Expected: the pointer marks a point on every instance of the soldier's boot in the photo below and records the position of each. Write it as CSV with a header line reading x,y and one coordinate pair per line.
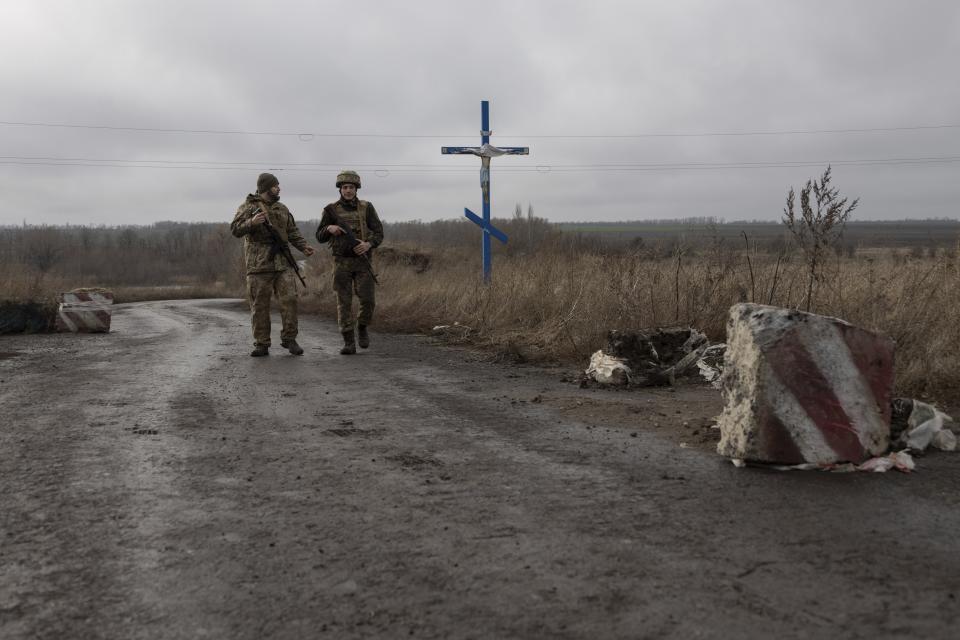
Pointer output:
x,y
260,350
292,347
348,348
363,338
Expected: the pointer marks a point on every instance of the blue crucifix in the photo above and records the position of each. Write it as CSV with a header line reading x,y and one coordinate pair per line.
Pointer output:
x,y
485,151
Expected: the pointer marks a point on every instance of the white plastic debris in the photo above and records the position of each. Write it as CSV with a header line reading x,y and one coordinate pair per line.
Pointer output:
x,y
899,460
803,466
608,369
945,440
927,426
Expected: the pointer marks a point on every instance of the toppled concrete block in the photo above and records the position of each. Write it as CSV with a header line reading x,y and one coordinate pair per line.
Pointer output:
x,y
85,311
803,388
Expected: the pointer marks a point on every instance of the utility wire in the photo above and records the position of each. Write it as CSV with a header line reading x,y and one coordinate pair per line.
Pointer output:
x,y
308,136
448,166
384,169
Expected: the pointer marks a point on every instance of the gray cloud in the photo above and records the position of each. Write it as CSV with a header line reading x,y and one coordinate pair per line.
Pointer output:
x,y
549,68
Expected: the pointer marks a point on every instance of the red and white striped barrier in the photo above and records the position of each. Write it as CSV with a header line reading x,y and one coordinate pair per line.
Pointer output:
x,y
802,388
85,311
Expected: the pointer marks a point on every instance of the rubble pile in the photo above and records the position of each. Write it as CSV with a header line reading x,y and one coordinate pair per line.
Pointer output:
x,y
652,357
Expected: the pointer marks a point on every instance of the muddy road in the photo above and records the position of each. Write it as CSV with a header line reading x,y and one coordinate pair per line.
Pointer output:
x,y
157,482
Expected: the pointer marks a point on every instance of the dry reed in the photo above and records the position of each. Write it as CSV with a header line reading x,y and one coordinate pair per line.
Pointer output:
x,y
553,306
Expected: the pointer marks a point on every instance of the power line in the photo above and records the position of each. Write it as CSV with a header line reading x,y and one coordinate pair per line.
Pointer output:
x,y
340,164
384,169
308,136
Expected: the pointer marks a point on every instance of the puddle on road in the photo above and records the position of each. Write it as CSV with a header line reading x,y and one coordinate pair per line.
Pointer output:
x,y
6,355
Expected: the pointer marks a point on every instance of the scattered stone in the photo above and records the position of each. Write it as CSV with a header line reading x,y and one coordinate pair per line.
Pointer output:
x,y
803,388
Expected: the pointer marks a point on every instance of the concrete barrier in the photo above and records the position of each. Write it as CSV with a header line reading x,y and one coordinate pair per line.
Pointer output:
x,y
800,387
85,311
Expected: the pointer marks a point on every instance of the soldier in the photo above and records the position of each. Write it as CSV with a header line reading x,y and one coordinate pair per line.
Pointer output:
x,y
268,271
353,229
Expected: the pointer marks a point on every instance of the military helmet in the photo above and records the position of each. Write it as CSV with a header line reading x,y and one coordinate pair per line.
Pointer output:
x,y
348,177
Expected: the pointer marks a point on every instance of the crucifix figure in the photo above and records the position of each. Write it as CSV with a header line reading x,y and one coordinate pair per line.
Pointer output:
x,y
485,151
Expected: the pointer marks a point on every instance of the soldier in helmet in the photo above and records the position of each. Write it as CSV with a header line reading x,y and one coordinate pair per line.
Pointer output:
x,y
267,270
353,229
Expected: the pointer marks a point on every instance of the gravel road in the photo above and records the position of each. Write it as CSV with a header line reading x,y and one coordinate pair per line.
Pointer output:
x,y
157,482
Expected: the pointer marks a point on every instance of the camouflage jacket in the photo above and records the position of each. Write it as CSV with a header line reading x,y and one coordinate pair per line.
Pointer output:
x,y
256,239
362,219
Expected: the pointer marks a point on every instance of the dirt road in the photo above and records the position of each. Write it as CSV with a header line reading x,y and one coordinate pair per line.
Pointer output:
x,y
157,482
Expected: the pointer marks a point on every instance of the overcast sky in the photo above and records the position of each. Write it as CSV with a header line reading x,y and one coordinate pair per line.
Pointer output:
x,y
380,86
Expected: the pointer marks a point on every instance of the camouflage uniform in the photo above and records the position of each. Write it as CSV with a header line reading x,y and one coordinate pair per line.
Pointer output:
x,y
266,274
351,272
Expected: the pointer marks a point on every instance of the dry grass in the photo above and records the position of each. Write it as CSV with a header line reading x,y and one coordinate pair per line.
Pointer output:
x,y
24,288
559,307
558,304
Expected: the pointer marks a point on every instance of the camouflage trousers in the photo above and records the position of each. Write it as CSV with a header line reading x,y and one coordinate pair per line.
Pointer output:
x,y
351,275
260,289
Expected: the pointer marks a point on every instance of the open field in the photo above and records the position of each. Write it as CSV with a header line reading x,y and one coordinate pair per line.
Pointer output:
x,y
550,306
554,295
903,234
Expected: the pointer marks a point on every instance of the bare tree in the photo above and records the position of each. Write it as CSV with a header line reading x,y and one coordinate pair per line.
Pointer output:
x,y
817,227
43,250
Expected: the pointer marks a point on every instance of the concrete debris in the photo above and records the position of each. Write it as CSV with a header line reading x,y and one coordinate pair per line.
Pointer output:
x,y
608,370
802,388
651,357
85,311
710,364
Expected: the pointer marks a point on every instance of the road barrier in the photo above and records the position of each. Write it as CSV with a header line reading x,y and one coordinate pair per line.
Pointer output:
x,y
85,311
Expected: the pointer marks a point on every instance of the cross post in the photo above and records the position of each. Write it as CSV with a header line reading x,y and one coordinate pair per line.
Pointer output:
x,y
485,151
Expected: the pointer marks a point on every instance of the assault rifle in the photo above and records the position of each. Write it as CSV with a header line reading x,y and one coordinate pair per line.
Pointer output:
x,y
354,241
279,245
